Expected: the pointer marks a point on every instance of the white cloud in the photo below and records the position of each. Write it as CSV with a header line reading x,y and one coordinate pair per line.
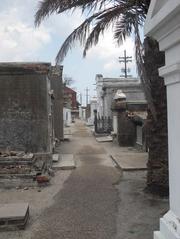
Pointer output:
x,y
109,66
108,51
20,40
108,48
63,24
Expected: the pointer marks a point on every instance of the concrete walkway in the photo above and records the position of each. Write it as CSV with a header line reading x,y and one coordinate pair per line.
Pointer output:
x,y
128,161
86,207
93,201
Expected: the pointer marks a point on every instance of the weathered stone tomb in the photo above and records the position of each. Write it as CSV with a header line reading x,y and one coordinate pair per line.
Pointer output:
x,y
25,109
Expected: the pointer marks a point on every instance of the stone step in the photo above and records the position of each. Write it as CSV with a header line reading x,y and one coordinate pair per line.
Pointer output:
x,y
13,216
158,235
27,159
24,157
67,137
31,175
15,162
17,182
55,158
131,161
104,139
67,131
66,162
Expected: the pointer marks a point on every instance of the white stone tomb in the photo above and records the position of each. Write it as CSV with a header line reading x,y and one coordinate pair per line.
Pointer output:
x,y
163,24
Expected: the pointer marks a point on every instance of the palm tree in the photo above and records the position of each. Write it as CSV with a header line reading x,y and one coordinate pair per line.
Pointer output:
x,y
125,17
157,176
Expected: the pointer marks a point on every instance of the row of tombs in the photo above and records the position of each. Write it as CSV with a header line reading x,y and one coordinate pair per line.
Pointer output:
x,y
31,120
120,110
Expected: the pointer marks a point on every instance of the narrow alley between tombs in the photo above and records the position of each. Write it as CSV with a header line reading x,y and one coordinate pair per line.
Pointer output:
x,y
94,201
87,205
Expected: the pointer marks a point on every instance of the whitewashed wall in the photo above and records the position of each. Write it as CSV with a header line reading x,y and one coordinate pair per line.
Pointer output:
x,y
67,116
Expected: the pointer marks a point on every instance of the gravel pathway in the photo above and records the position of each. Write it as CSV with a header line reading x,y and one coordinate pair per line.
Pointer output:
x,y
87,205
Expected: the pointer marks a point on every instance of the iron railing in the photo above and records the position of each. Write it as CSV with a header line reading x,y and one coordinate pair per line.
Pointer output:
x,y
103,124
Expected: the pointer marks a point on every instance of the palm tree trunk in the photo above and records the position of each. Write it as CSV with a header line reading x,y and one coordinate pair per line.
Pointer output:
x,y
157,136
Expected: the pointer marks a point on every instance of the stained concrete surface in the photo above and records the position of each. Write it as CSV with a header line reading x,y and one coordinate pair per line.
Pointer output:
x,y
131,160
38,199
87,206
13,210
138,212
13,216
66,162
93,201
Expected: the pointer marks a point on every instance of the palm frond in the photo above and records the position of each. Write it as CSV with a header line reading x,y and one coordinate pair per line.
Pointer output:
x,y
104,20
79,34
47,7
126,24
122,14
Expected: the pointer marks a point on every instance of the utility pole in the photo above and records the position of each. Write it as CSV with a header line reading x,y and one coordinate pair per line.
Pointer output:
x,y
125,59
87,96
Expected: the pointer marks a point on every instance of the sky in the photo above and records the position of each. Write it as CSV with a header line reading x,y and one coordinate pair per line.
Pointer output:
x,y
21,41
